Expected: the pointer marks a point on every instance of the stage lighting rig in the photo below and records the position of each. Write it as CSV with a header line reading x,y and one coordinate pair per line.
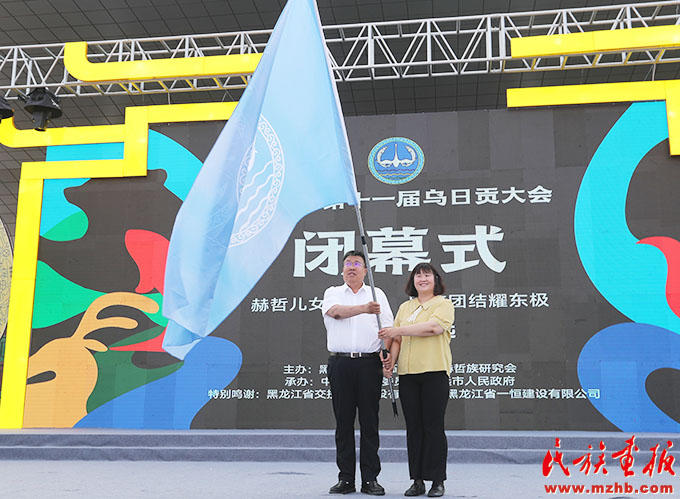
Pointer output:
x,y
6,110
43,106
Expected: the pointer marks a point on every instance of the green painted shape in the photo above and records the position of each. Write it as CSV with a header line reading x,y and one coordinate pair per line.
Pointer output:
x,y
118,375
57,298
139,337
71,228
158,316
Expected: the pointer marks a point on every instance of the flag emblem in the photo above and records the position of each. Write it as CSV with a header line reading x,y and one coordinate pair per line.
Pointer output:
x,y
259,184
396,160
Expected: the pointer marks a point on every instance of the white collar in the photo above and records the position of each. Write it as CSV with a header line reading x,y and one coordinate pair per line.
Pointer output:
x,y
347,288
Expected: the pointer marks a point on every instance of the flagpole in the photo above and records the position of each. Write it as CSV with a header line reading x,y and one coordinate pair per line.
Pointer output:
x,y
377,316
356,206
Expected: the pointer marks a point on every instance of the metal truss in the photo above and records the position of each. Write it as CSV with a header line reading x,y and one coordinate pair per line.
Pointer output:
x,y
420,48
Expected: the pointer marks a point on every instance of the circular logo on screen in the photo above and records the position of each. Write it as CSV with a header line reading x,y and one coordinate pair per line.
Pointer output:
x,y
259,183
396,160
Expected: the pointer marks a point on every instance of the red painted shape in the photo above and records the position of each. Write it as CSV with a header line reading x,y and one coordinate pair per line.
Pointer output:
x,y
671,250
149,250
152,345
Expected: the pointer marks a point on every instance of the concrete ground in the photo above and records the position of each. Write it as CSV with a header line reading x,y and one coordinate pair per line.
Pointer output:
x,y
205,480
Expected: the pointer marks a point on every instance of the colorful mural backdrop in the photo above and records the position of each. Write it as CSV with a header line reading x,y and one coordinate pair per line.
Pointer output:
x,y
5,280
5,275
555,230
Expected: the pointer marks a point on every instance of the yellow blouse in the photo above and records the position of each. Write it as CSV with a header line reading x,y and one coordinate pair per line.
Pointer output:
x,y
421,354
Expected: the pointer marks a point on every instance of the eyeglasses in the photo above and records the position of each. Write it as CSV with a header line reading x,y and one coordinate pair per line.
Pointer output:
x,y
356,265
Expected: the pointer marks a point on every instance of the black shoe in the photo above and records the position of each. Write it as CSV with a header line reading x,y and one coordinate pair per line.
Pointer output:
x,y
437,489
417,489
342,487
372,488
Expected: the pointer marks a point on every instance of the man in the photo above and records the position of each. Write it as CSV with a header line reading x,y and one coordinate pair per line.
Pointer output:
x,y
355,371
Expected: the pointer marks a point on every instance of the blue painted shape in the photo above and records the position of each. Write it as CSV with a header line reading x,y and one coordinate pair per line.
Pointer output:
x,y
79,152
55,207
173,401
164,154
618,360
632,277
180,164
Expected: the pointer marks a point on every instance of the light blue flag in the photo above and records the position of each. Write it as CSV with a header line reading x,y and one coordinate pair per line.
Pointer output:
x,y
283,154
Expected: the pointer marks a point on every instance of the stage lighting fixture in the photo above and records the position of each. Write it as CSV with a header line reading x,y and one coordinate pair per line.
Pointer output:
x,y
6,110
43,106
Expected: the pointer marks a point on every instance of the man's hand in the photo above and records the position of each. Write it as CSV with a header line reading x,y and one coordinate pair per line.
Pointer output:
x,y
372,307
387,363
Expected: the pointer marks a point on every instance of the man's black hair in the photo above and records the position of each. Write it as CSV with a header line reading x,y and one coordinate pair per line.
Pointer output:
x,y
358,253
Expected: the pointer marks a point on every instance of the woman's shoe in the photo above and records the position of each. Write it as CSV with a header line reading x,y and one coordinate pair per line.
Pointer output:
x,y
416,489
437,489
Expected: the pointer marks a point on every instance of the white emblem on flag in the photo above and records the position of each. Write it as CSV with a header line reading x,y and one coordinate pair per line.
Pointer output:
x,y
259,184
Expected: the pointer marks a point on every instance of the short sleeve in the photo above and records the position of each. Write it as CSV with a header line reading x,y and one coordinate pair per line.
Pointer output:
x,y
443,314
330,297
386,316
399,319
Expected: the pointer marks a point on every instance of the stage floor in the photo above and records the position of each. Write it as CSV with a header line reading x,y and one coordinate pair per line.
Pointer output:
x,y
32,479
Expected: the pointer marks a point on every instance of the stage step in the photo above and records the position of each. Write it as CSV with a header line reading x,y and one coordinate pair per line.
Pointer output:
x,y
306,445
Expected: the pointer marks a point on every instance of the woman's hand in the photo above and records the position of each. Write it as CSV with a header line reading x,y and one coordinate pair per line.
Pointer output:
x,y
388,333
387,372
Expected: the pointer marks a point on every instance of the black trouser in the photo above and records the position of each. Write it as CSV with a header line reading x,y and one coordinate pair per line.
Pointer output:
x,y
355,384
423,400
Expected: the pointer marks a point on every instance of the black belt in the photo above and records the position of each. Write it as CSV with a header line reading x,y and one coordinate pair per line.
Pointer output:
x,y
354,355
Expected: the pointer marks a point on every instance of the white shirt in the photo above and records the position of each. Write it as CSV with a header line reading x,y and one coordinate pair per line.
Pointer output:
x,y
358,333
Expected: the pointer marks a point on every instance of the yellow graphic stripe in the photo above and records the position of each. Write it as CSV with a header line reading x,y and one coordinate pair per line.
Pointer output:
x,y
135,136
18,338
13,137
101,168
668,90
136,141
673,116
656,37
75,60
587,94
179,113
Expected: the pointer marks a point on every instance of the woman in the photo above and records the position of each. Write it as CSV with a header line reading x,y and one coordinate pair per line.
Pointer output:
x,y
421,341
